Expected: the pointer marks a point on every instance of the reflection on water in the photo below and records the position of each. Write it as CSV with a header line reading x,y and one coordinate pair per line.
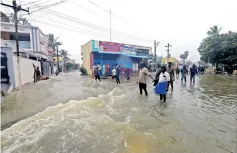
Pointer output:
x,y
195,119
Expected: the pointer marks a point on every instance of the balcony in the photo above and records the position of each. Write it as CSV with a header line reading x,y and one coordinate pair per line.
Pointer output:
x,y
12,43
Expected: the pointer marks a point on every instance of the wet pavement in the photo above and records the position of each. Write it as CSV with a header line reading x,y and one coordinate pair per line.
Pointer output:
x,y
116,119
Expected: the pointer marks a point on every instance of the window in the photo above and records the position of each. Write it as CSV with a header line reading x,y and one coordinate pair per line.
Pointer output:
x,y
21,37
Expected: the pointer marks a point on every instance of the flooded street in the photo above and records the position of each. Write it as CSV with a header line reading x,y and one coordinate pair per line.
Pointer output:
x,y
72,114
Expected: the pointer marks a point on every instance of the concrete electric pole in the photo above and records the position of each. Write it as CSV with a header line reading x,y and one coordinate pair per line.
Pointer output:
x,y
16,9
168,52
155,45
57,59
110,25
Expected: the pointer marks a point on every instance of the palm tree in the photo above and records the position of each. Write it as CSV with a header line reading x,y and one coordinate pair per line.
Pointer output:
x,y
52,42
214,30
65,55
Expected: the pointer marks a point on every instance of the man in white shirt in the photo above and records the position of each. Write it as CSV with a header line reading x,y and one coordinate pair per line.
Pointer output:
x,y
99,67
113,73
142,79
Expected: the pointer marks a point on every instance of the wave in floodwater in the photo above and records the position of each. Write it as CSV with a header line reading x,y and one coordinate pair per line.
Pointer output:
x,y
124,122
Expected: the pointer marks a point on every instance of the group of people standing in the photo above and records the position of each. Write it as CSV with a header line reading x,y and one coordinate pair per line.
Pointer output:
x,y
115,73
184,73
164,74
161,76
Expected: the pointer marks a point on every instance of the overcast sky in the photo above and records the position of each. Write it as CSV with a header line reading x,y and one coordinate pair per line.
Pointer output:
x,y
183,23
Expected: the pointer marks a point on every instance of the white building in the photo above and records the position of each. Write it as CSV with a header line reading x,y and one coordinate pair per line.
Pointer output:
x,y
32,41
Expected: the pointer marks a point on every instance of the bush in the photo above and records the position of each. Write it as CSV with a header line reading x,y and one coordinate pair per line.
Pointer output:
x,y
83,71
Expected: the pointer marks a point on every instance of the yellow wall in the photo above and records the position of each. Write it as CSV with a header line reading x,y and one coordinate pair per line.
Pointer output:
x,y
172,59
86,50
60,58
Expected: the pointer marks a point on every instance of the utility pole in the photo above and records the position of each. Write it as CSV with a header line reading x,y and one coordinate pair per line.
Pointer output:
x,y
110,25
155,45
168,52
16,9
57,58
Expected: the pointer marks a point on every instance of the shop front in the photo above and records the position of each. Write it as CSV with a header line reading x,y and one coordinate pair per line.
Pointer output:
x,y
108,54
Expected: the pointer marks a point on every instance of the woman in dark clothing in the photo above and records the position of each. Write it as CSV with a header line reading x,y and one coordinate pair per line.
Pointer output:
x,y
157,77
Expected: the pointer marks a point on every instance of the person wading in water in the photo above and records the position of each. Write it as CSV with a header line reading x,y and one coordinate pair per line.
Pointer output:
x,y
117,73
97,74
142,78
193,72
114,73
184,73
127,71
177,72
38,74
170,70
164,77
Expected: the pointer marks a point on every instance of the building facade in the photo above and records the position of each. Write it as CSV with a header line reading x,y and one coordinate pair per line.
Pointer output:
x,y
33,44
108,54
173,60
32,41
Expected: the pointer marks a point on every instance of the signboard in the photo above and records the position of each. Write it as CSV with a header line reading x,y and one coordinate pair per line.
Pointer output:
x,y
129,49
110,46
103,46
142,50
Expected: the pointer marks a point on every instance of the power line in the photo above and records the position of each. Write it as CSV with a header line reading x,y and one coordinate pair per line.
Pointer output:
x,y
70,29
99,6
32,3
73,19
47,6
84,23
63,27
87,9
55,21
108,11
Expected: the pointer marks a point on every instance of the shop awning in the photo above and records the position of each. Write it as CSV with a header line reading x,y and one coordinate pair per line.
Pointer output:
x,y
136,56
119,53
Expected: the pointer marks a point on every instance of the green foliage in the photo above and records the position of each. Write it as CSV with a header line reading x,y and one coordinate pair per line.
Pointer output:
x,y
214,30
219,48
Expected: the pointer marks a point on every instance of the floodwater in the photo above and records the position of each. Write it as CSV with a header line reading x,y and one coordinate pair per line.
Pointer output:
x,y
195,119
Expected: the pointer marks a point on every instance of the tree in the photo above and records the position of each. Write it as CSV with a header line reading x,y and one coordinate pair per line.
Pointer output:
x,y
184,56
4,17
220,49
20,20
52,42
65,55
214,30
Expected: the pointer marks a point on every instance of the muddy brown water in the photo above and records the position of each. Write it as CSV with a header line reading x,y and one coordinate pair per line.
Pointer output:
x,y
197,118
